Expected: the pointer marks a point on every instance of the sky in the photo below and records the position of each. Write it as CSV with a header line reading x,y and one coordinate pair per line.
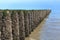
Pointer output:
x,y
54,5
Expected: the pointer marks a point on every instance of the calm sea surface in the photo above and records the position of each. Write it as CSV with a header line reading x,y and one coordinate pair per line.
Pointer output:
x,y
49,29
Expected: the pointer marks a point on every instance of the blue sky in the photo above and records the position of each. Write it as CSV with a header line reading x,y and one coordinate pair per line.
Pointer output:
x,y
54,5
29,4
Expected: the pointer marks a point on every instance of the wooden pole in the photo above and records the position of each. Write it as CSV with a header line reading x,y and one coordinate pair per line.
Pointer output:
x,y
6,28
21,26
15,25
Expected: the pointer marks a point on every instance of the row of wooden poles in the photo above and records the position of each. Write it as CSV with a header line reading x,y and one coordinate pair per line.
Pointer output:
x,y
18,24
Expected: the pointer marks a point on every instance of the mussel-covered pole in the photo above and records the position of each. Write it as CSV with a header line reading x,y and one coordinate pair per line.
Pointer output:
x,y
1,14
21,25
32,27
15,25
6,28
29,16
26,21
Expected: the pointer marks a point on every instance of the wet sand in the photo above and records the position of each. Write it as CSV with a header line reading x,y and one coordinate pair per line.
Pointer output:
x,y
48,29
36,34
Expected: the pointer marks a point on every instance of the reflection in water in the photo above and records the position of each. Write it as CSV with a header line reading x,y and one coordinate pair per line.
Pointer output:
x,y
49,29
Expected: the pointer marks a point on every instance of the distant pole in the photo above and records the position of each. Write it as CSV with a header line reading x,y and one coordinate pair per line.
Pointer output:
x,y
29,16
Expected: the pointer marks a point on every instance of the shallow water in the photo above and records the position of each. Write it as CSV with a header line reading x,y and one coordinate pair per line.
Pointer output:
x,y
49,29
